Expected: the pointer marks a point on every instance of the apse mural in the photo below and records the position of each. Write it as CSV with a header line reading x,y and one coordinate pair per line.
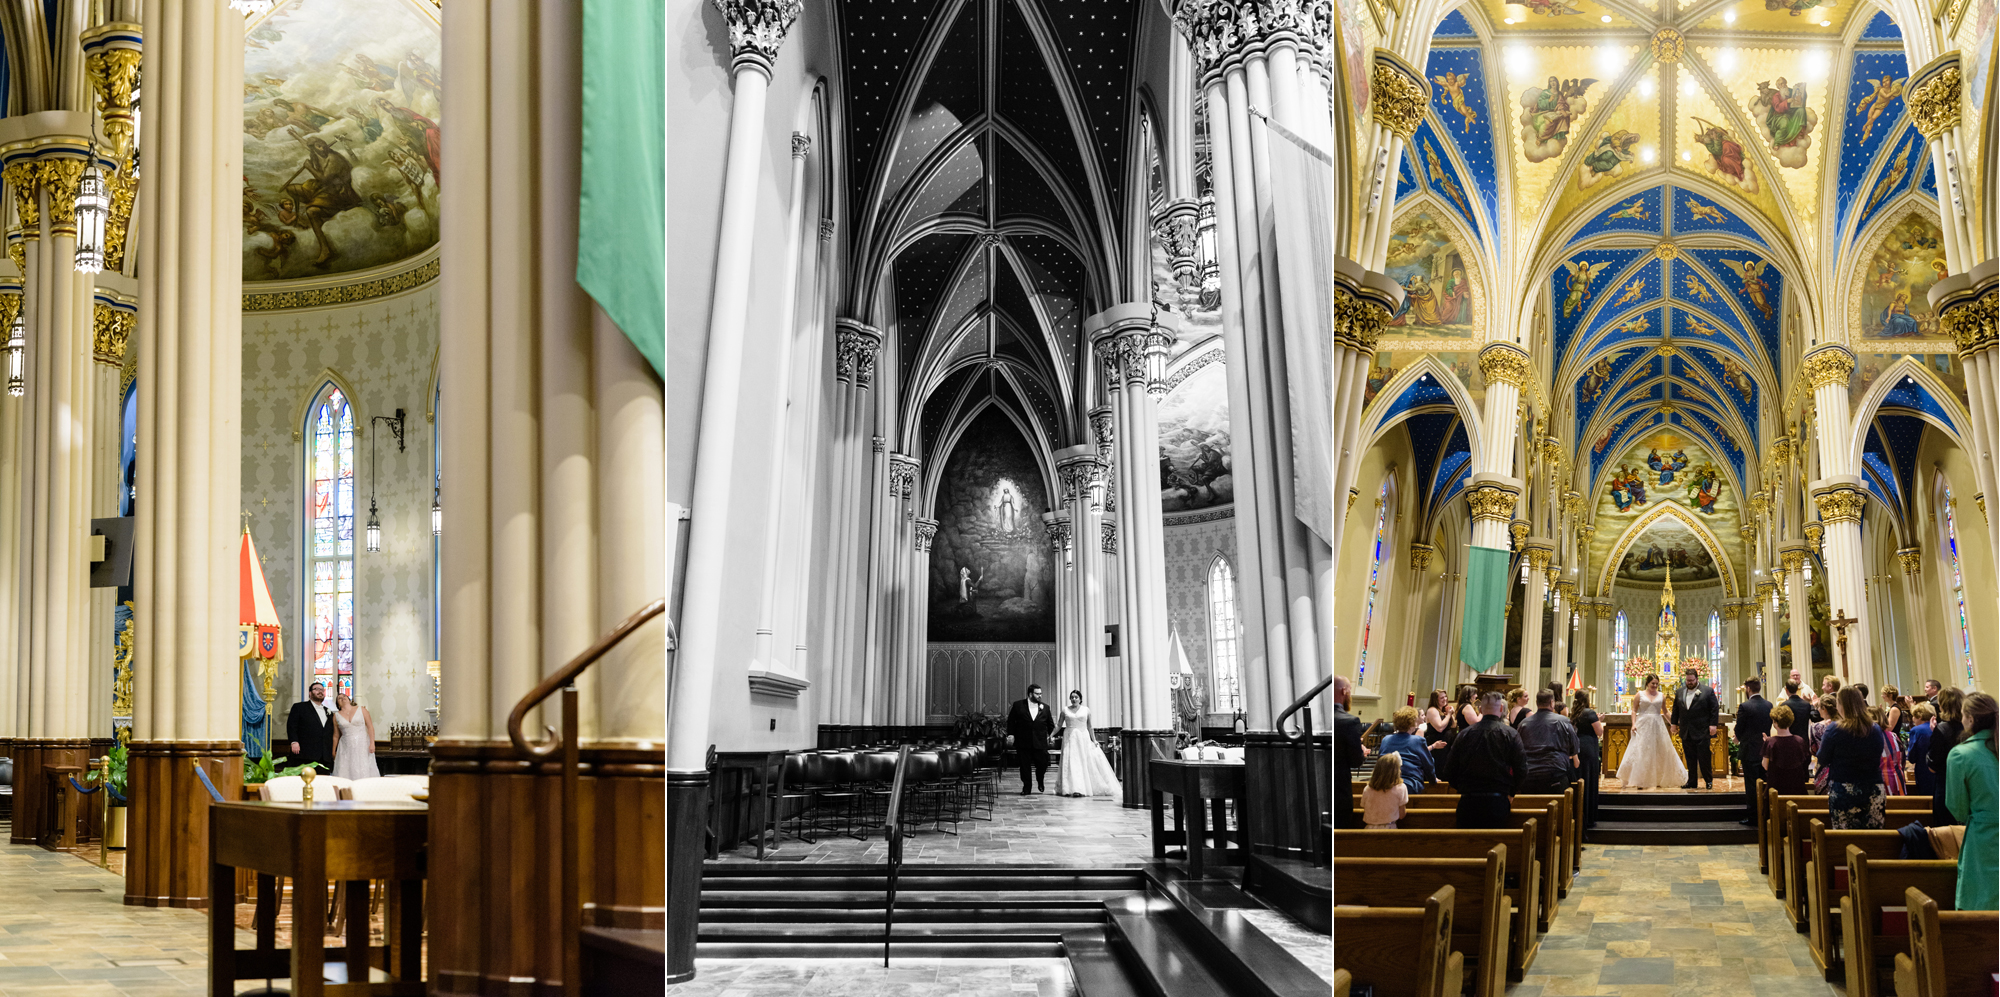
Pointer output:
x,y
1892,286
991,578
340,137
1668,546
1441,299
1664,463
1194,442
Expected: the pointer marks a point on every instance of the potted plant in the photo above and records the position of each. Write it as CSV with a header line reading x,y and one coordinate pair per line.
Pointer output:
x,y
258,771
114,826
979,727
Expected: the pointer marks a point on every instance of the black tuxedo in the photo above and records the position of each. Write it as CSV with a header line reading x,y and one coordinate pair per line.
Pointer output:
x,y
1753,725
314,736
1695,711
1802,714
1031,724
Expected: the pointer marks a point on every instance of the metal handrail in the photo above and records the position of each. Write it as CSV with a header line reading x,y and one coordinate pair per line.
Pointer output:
x,y
892,832
1308,789
564,679
1301,704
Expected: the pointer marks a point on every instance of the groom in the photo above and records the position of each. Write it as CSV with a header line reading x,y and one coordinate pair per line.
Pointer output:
x,y
1029,725
311,730
1695,714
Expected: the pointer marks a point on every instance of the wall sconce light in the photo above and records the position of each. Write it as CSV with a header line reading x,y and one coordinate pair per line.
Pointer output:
x,y
17,347
93,210
374,532
437,513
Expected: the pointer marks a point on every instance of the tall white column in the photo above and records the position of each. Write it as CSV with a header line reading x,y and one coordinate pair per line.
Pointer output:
x,y
855,492
1840,499
1494,488
1565,606
1537,551
1918,623
1083,472
756,32
1131,344
13,676
1968,307
1791,580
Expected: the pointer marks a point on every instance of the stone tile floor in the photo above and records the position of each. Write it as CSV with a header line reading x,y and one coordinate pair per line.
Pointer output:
x,y
1039,827
904,978
1723,784
1672,921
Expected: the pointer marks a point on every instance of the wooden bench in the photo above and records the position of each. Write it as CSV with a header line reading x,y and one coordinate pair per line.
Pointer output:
x,y
1571,830
1480,914
1547,842
1343,983
1382,945
1523,871
1873,921
1796,850
1771,828
1972,937
1826,885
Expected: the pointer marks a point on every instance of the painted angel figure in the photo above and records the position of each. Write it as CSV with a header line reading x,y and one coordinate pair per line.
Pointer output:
x,y
1632,291
1550,8
1887,89
1581,274
1750,274
1704,212
1454,84
1696,290
1614,149
1595,380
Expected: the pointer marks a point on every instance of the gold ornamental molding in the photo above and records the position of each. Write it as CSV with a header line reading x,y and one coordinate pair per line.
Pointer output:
x,y
110,331
111,57
1492,501
1506,363
1828,364
1667,251
1420,555
1668,45
1399,94
1971,323
1933,95
1814,532
1841,504
423,272
1912,559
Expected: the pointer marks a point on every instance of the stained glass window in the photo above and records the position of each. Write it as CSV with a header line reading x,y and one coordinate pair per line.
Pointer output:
x,y
1714,644
1619,649
1374,578
1222,636
330,473
1957,583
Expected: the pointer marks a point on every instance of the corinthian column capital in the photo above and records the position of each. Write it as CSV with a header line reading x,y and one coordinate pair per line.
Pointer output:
x,y
756,30
925,532
1827,364
1506,363
855,346
1222,31
1933,94
903,470
111,57
1967,305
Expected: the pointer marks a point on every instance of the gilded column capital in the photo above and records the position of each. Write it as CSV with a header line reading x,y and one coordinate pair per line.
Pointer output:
x,y
1971,323
24,178
1584,531
1420,555
1220,32
1363,300
1794,558
1506,363
1177,225
1492,501
855,346
1781,449
1082,474
1607,609
1552,451
1103,434
1518,529
123,184
1352,494
1912,559
756,30
925,530
1748,532
110,330
1539,553
1572,503
1766,591
59,176
111,59
903,470
1566,590
1841,504
1933,97
1398,95
1827,364
1057,527
1107,536
1814,533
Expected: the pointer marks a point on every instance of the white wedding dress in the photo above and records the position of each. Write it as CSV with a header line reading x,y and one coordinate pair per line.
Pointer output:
x,y
355,757
1084,769
1650,759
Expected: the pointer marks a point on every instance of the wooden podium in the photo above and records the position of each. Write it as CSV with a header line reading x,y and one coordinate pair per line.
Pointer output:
x,y
1618,734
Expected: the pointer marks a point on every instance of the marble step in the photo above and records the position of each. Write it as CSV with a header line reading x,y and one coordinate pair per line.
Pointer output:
x,y
1638,811
1008,912
1096,968
723,900
1158,960
1612,832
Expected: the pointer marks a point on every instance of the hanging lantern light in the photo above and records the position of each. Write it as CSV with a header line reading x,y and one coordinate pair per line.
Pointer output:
x,y
437,514
93,212
17,347
374,528
1206,256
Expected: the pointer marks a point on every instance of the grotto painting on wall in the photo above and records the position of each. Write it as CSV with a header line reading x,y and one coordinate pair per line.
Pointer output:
x,y
991,576
1194,442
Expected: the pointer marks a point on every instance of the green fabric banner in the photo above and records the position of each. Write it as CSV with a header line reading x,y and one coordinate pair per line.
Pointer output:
x,y
621,252
1484,639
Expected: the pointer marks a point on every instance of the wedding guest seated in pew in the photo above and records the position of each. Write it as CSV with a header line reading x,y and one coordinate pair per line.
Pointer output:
x,y
1785,753
1417,771
1348,752
1385,798
1970,794
1486,766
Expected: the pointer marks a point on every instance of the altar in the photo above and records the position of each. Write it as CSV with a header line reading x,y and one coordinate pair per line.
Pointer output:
x,y
1618,734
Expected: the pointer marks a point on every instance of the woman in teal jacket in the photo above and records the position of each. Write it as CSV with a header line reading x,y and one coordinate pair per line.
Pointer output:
x,y
1970,792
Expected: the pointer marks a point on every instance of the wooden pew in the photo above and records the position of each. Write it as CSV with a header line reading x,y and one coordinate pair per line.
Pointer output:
x,y
1382,945
1548,843
1571,830
1873,922
1826,885
1970,937
1343,983
1773,831
1523,872
1795,845
1479,917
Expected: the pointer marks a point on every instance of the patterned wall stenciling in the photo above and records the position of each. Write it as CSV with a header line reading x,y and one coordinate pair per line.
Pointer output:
x,y
1192,544
987,677
384,350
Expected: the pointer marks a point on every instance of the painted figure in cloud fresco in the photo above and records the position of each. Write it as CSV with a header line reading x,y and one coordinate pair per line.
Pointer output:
x,y
1614,150
1782,113
1546,116
1725,154
1704,487
1667,466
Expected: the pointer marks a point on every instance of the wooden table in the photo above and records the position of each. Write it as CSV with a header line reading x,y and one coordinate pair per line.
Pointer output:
x,y
1208,785
340,840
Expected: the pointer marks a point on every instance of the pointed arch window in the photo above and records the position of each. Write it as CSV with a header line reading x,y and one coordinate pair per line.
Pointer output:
x,y
1374,582
1222,653
329,437
1620,649
1957,582
1714,644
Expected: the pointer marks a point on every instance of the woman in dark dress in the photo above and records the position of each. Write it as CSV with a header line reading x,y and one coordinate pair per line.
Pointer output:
x,y
1945,732
1439,728
1851,751
1589,759
1785,753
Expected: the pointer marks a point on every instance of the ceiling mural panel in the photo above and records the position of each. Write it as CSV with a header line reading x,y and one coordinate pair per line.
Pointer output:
x,y
1873,107
1726,377
1460,106
1194,443
1889,292
1901,163
1695,214
1732,449
1593,387
1543,107
1641,213
1783,94
1441,175
1605,445
1976,34
1946,367
1669,549
1578,281
1713,146
340,138
1819,19
1752,283
1555,15
1661,465
1440,279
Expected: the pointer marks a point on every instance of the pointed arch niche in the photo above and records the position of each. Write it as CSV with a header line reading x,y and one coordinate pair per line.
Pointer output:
x,y
1607,578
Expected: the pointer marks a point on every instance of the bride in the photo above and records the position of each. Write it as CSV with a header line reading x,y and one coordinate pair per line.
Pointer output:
x,y
1084,770
1650,759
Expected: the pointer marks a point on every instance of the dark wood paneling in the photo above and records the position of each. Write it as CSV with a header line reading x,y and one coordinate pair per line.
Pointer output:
x,y
687,816
31,805
166,848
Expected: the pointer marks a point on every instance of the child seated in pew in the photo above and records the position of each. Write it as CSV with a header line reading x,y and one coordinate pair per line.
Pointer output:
x,y
1385,798
1785,754
1416,755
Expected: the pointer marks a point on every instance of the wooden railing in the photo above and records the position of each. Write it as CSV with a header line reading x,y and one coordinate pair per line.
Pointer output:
x,y
892,832
564,679
1308,783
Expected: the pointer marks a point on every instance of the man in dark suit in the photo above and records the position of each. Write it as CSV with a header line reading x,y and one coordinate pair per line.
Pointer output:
x,y
1030,724
310,728
1348,754
1695,714
1753,725
1802,711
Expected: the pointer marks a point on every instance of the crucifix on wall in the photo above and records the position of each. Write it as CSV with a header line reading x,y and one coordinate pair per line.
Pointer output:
x,y
1840,624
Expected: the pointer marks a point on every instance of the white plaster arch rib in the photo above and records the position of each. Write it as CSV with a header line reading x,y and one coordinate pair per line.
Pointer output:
x,y
1871,404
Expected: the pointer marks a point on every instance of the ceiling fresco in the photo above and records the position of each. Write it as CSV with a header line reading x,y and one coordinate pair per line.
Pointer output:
x,y
340,137
1665,465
